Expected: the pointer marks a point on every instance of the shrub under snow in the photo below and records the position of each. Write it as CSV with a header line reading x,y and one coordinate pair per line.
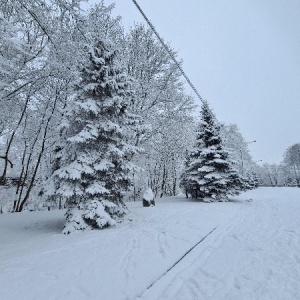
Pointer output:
x,y
74,221
94,215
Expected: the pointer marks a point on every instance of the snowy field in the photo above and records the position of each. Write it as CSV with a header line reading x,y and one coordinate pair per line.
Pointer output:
x,y
250,250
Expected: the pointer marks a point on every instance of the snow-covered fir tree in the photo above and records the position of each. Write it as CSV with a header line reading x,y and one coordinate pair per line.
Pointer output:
x,y
209,173
94,161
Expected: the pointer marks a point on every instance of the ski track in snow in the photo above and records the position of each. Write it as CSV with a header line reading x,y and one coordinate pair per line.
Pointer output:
x,y
254,253
254,257
207,247
128,262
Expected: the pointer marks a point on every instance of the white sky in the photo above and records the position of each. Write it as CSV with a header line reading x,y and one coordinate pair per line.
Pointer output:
x,y
242,56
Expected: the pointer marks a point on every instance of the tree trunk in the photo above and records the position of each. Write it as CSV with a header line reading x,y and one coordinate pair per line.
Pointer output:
x,y
5,157
174,182
163,184
20,204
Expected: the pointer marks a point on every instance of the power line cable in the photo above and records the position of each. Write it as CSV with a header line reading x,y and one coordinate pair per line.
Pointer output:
x,y
169,51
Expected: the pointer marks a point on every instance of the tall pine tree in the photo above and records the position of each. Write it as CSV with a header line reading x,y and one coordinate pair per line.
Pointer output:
x,y
209,173
95,165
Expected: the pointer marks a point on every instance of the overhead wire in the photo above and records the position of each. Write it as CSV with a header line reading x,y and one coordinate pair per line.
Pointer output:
x,y
168,51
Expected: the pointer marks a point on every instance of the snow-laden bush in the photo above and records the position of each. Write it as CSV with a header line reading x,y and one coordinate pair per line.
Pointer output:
x,y
115,211
94,214
74,221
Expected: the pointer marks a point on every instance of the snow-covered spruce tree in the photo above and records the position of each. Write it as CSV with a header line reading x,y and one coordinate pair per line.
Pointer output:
x,y
209,173
95,165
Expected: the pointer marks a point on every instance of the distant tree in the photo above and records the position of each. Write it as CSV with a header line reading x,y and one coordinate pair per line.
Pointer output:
x,y
95,160
209,173
166,154
273,172
165,111
274,175
234,141
239,153
291,163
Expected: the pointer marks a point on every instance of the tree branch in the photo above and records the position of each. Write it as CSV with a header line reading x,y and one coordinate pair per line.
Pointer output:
x,y
6,158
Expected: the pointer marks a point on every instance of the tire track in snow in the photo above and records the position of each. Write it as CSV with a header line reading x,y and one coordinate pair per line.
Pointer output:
x,y
128,261
211,241
180,259
270,252
148,231
162,242
262,260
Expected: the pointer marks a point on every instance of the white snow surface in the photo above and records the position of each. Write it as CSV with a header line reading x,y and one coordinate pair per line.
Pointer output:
x,y
252,252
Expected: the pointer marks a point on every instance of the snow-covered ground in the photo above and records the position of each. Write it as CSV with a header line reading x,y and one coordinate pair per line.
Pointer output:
x,y
252,252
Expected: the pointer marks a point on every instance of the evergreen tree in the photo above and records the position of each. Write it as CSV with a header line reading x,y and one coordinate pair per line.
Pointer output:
x,y
209,173
95,160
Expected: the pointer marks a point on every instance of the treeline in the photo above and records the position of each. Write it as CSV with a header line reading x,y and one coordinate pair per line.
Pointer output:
x,y
89,111
43,50
287,173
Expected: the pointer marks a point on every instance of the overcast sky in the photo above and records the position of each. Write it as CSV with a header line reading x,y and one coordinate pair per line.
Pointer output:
x,y
242,56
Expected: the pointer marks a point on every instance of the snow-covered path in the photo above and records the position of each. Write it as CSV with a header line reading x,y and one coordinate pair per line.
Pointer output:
x,y
257,258
253,252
